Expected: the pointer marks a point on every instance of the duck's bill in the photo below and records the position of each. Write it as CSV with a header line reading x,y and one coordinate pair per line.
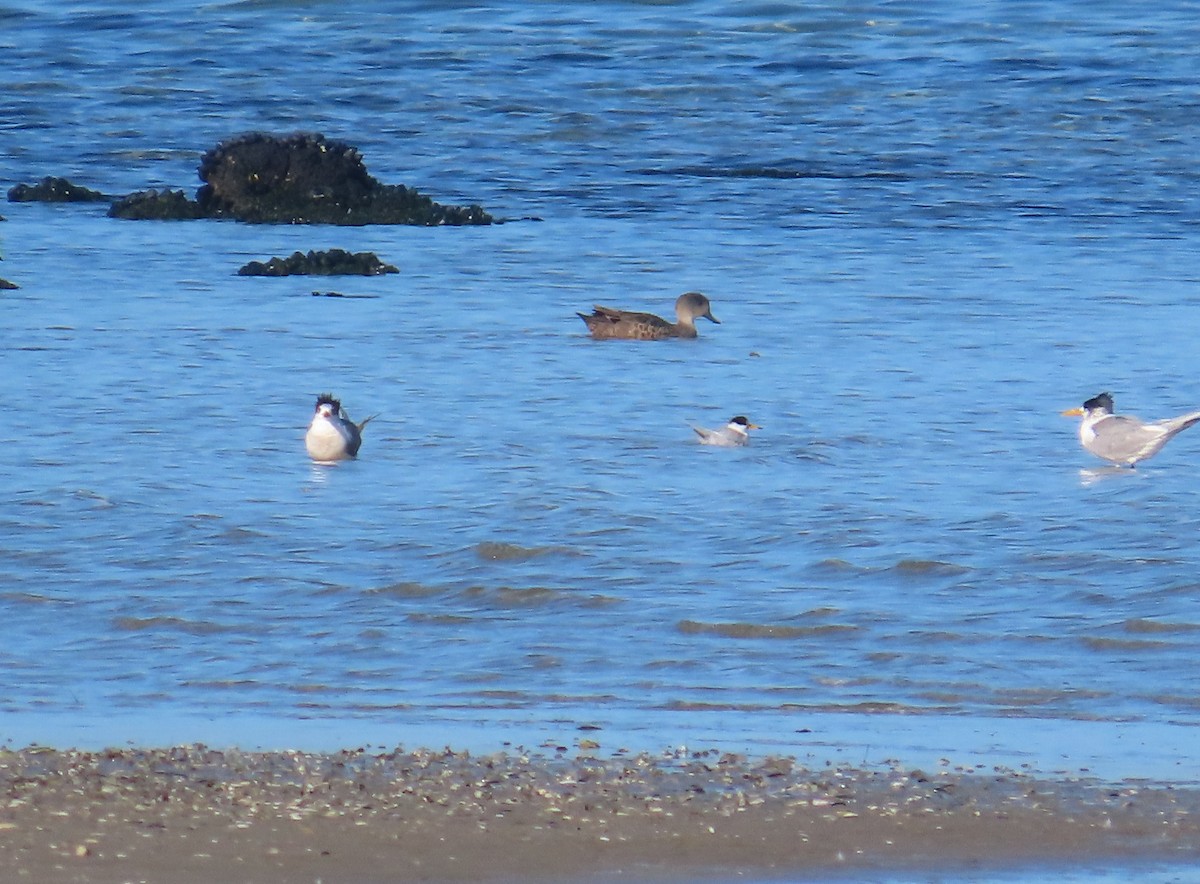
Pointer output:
x,y
1073,412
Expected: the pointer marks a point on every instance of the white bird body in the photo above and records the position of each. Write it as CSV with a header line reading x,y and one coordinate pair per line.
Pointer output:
x,y
331,434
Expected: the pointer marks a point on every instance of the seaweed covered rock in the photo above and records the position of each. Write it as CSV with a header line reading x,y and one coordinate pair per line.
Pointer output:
x,y
150,205
296,179
54,190
258,177
334,262
305,179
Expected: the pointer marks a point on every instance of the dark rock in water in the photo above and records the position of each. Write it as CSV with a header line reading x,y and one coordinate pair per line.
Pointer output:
x,y
54,190
298,179
150,205
304,179
334,262
258,177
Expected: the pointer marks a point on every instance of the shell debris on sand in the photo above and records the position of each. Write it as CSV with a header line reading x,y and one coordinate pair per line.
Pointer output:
x,y
190,814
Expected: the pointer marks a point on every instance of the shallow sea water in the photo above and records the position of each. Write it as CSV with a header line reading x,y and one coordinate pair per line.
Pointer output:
x,y
1092,874
925,229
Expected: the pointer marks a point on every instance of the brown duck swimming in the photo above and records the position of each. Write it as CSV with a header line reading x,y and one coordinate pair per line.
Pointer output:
x,y
607,323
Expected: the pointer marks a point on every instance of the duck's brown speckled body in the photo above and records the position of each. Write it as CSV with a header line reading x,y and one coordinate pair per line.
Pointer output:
x,y
606,323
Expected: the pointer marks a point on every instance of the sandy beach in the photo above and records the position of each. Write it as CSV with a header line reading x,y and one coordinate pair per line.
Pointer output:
x,y
196,814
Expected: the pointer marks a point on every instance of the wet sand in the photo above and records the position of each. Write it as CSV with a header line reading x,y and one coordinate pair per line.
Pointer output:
x,y
195,814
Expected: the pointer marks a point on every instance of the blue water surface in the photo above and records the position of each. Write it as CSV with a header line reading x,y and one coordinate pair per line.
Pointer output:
x,y
926,230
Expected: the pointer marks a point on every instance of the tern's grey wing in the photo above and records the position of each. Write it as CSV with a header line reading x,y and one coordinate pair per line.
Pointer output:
x,y
723,437
1176,425
1171,427
1122,439
712,437
352,436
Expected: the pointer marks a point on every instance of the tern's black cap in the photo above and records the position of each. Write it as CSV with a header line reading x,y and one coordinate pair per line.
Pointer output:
x,y
327,399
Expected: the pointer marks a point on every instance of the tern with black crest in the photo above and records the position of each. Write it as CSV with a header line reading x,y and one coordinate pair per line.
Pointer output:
x,y
736,432
331,434
1123,439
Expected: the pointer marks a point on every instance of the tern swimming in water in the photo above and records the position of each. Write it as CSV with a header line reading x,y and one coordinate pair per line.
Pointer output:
x,y
331,434
1122,439
736,432
606,323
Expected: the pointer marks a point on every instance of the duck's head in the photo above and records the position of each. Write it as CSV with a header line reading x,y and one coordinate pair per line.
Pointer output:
x,y
690,306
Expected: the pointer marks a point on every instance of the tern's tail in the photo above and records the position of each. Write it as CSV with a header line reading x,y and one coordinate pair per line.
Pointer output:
x,y
372,417
1178,424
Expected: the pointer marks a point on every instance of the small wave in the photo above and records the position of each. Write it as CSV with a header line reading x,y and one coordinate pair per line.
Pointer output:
x,y
222,684
506,597
760,630
174,624
927,567
1177,701
405,589
838,565
1020,700
1097,643
498,551
1140,625
573,57
441,619
779,172
29,598
866,707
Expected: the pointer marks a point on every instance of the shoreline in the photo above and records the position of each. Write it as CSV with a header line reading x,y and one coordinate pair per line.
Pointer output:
x,y
197,814
1114,751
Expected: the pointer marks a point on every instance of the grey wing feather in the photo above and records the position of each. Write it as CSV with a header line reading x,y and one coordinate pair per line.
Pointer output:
x,y
1123,439
1178,424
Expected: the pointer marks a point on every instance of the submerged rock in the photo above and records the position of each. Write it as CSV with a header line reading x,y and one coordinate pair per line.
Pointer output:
x,y
54,190
334,262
